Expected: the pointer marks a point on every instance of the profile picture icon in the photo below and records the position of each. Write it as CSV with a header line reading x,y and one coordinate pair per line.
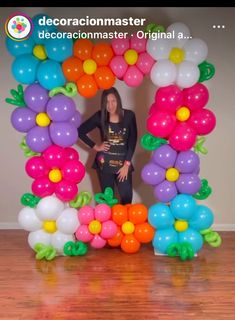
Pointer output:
x,y
19,26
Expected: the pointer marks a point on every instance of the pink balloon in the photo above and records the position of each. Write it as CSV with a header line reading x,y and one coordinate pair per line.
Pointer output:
x,y
109,229
73,171
97,242
152,109
203,121
183,137
36,167
145,62
66,190
160,124
54,156
119,66
71,154
133,77
83,234
169,98
86,215
120,46
196,97
102,212
43,187
138,44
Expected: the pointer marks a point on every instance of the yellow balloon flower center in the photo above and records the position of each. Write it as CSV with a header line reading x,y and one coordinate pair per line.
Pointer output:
x,y
131,57
177,55
128,227
183,114
42,119
49,226
89,66
94,227
172,174
55,175
181,225
39,52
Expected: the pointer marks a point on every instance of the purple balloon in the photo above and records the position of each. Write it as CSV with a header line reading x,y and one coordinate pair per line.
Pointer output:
x,y
153,174
61,108
23,119
76,119
36,97
63,134
165,191
187,162
165,156
38,139
188,183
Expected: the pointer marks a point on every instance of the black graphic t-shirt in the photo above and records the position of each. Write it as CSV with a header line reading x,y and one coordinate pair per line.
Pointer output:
x,y
122,138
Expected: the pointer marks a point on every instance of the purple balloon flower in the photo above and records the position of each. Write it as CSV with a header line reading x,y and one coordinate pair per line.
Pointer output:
x,y
46,120
172,172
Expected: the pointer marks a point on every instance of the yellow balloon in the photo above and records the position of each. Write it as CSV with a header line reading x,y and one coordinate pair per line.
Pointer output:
x,y
39,52
89,66
177,55
42,119
55,175
172,174
183,114
181,225
131,56
128,227
49,226
94,227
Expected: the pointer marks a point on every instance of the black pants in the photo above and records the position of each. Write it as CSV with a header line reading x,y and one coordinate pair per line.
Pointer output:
x,y
124,188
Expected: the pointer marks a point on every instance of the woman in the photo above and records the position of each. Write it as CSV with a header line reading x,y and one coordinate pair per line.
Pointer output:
x,y
118,135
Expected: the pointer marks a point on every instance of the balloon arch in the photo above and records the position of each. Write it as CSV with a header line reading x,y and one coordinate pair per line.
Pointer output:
x,y
59,219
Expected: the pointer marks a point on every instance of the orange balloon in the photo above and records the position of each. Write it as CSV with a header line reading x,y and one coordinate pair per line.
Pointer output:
x,y
117,239
119,214
104,77
87,86
102,54
138,213
72,69
144,232
130,244
82,49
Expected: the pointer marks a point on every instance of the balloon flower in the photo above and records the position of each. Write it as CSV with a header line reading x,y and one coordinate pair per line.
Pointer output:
x,y
180,115
96,225
50,223
171,173
89,67
46,120
39,59
131,61
133,227
179,222
177,56
58,170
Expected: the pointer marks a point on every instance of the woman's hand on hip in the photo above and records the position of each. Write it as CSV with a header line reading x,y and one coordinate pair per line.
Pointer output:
x,y
104,146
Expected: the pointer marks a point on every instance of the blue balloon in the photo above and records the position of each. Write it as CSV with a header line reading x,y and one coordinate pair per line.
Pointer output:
x,y
24,68
164,238
40,27
59,49
160,217
203,218
50,74
183,206
193,237
17,48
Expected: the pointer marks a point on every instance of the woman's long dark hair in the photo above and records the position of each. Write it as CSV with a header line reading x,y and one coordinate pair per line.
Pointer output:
x,y
105,113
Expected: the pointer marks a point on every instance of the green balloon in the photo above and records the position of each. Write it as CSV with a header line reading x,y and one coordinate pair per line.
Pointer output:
x,y
207,71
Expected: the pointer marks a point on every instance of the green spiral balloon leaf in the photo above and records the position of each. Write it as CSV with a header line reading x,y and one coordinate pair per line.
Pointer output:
x,y
211,237
70,90
184,250
18,97
29,200
153,27
44,251
81,200
77,248
150,143
204,191
106,197
27,151
198,147
207,71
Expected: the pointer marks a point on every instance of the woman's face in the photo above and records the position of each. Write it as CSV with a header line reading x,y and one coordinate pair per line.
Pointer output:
x,y
111,103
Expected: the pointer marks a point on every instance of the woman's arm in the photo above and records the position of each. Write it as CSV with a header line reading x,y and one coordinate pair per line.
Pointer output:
x,y
86,127
132,139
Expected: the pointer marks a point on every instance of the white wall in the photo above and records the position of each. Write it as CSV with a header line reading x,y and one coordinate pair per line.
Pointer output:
x,y
217,166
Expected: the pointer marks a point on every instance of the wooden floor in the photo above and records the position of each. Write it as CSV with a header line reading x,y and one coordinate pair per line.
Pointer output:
x,y
110,284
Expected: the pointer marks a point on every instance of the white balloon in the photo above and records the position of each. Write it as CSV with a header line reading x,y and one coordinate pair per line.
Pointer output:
x,y
159,48
39,236
196,50
58,240
188,74
180,29
163,73
28,220
68,221
49,208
